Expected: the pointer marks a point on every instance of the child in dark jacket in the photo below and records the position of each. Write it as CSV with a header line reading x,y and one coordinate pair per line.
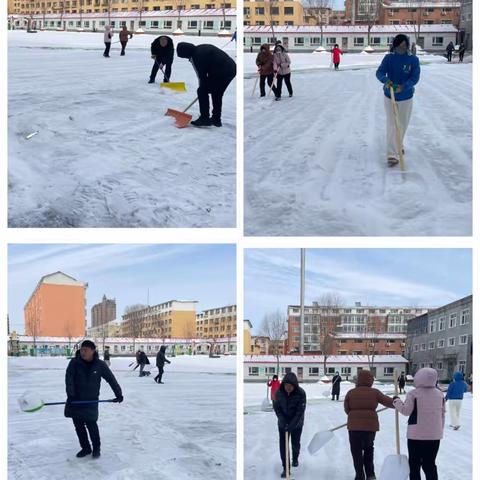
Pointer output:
x,y
425,408
454,396
360,405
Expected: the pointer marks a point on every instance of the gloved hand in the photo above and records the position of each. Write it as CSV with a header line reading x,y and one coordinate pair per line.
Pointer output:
x,y
70,400
388,84
154,56
119,399
286,428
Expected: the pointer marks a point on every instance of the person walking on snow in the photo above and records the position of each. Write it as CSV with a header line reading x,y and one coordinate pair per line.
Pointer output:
x,y
82,382
414,48
274,385
124,36
454,397
360,405
106,356
163,51
107,39
264,63
137,359
450,49
400,70
289,407
461,52
281,69
215,70
161,359
401,383
336,52
425,407
336,380
143,360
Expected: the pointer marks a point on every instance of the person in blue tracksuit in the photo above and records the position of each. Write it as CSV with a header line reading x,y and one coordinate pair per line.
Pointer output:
x,y
454,397
401,70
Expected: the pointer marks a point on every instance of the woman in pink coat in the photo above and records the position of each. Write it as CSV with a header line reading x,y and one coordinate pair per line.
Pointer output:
x,y
281,68
425,408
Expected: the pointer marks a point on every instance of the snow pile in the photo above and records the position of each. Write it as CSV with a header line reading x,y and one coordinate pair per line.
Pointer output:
x,y
262,460
106,155
315,164
183,429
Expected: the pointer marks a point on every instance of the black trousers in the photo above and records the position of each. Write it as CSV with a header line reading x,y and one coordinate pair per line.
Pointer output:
x,y
81,428
107,49
449,56
295,436
336,65
335,395
422,454
269,80
158,378
124,44
167,68
460,56
361,447
142,367
216,88
280,79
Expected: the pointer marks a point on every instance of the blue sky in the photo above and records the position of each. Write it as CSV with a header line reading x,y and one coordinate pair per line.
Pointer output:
x,y
396,277
339,4
126,272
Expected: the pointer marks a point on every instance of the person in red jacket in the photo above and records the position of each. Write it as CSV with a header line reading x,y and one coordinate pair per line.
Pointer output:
x,y
274,385
336,52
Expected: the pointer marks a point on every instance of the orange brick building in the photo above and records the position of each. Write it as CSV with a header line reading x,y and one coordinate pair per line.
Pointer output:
x,y
56,308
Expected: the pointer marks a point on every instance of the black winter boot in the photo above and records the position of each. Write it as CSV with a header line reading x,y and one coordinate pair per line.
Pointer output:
x,y
84,452
202,122
96,453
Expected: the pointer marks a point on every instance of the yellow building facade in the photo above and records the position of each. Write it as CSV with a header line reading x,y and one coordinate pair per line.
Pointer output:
x,y
287,12
104,6
217,322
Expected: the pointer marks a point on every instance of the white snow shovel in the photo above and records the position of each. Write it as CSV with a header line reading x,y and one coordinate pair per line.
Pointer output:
x,y
398,129
287,459
320,439
266,405
255,84
395,467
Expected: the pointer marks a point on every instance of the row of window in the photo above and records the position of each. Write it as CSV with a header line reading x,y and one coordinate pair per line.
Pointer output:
x,y
461,366
453,319
313,311
105,3
451,341
271,11
425,22
312,371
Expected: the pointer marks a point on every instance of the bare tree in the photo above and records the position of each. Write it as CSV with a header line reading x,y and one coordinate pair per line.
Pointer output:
x,y
179,6
271,11
274,326
371,338
371,13
319,10
134,323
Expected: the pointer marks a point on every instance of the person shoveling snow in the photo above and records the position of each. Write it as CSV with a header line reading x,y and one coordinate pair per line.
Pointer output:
x,y
401,70
425,408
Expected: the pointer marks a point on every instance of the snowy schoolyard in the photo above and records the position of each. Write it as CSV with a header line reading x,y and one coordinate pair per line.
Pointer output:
x,y
262,458
105,155
315,164
184,429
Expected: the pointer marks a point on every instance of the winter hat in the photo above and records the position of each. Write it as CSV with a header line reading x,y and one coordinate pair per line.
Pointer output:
x,y
185,50
88,344
400,38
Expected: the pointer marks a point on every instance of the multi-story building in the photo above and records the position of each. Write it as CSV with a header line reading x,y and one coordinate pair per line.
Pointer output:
x,y
441,12
337,17
466,19
109,329
56,308
247,337
286,12
442,339
367,343
111,6
363,12
104,312
322,324
172,319
217,322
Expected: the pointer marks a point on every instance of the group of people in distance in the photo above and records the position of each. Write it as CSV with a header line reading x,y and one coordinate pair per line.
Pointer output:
x,y
214,68
424,405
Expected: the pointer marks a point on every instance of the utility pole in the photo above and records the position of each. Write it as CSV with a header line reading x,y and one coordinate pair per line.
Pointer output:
x,y
302,299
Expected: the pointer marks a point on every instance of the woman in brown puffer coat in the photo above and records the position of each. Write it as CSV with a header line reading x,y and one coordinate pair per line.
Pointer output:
x,y
124,36
360,405
265,68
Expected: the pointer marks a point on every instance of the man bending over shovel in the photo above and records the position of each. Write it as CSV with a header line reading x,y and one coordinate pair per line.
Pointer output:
x,y
162,52
215,70
360,405
82,381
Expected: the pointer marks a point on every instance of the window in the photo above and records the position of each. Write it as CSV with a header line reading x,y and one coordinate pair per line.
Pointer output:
x,y
452,321
415,348
275,10
253,371
451,342
288,10
461,366
167,24
359,41
465,318
270,370
227,25
394,22
331,370
463,340
192,24
330,41
286,370
388,371
376,41
437,41
441,343
154,24
299,41
260,23
446,22
432,326
257,40
346,370
314,371
423,347
441,324
439,365
260,10
289,23
431,345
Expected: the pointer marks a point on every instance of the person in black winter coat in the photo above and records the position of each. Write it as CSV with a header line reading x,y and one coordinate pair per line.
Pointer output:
x,y
336,380
106,356
161,359
82,381
461,52
289,405
450,49
162,52
143,360
401,383
215,70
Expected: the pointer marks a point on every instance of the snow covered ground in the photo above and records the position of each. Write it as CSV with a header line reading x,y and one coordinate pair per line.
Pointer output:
x,y
105,154
184,429
315,164
262,460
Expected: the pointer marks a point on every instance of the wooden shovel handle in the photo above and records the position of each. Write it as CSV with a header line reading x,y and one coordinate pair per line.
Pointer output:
x,y
397,425
397,128
345,424
287,456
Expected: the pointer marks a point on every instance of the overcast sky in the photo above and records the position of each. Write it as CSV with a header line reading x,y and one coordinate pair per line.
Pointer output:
x,y
389,277
126,272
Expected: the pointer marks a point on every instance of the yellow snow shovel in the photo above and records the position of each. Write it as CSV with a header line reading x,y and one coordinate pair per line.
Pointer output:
x,y
395,467
177,86
398,129
182,119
